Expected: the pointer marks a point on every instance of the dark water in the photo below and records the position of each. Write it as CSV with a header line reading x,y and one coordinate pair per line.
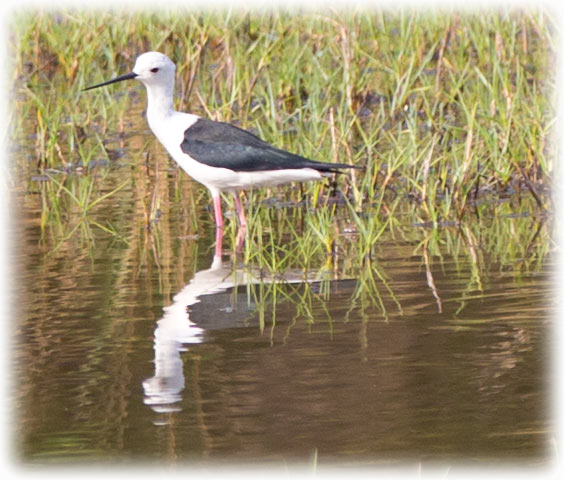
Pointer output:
x,y
430,362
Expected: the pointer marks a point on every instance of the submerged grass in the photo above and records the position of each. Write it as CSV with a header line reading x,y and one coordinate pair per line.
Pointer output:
x,y
450,114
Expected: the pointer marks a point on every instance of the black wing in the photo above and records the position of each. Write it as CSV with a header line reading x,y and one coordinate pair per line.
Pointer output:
x,y
219,144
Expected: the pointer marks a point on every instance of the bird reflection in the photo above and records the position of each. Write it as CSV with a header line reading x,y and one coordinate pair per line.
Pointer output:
x,y
176,330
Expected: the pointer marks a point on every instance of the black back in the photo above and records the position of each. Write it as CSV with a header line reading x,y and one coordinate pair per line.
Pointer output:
x,y
221,145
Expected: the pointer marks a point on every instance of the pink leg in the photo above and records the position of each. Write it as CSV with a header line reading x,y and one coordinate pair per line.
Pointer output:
x,y
218,225
217,211
242,223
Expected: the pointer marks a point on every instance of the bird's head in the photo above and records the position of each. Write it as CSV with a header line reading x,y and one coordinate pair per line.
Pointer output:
x,y
151,68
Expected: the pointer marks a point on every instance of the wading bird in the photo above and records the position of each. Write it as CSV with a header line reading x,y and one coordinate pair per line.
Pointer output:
x,y
222,157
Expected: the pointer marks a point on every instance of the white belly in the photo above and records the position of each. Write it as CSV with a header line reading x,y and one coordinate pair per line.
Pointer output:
x,y
224,179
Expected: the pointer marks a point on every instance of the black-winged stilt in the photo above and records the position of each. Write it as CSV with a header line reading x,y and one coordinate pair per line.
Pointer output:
x,y
222,157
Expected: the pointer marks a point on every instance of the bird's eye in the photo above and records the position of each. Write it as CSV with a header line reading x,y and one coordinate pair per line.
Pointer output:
x,y
154,70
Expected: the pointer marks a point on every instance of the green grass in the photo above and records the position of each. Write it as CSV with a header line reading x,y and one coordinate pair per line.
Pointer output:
x,y
450,113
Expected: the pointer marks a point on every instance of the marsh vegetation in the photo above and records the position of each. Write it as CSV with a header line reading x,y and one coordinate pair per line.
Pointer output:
x,y
451,114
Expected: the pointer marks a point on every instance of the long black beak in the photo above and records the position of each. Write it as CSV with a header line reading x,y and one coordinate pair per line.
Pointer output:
x,y
121,78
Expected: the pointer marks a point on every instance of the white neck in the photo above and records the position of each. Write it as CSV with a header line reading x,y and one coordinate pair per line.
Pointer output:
x,y
159,102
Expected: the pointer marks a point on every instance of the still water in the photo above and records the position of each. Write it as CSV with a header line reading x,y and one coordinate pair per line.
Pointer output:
x,y
144,350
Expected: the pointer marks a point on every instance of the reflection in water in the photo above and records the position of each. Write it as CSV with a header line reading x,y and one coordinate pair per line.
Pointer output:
x,y
175,330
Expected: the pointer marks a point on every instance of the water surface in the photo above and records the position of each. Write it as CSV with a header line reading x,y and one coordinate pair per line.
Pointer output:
x,y
415,358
